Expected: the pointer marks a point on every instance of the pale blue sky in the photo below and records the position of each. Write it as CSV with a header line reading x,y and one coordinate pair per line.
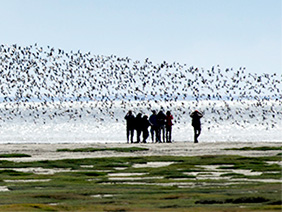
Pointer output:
x,y
202,33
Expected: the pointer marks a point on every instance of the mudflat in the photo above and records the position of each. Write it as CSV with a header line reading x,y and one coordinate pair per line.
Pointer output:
x,y
48,151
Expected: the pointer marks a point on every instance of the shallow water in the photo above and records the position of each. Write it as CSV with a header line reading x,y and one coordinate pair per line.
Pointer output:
x,y
104,121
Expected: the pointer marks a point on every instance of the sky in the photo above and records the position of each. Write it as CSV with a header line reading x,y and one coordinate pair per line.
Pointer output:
x,y
199,33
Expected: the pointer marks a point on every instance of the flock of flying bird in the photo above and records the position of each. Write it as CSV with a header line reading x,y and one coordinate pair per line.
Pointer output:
x,y
35,81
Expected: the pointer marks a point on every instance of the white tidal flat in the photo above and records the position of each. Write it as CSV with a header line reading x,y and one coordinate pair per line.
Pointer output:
x,y
83,122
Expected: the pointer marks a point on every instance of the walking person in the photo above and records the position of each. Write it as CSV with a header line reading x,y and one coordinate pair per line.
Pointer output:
x,y
154,127
169,124
130,122
196,123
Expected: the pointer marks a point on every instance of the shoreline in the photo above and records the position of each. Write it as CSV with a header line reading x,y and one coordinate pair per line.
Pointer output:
x,y
48,151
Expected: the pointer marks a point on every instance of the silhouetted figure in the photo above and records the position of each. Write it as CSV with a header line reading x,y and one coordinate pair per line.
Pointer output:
x,y
154,125
196,123
169,124
161,117
130,125
145,126
138,126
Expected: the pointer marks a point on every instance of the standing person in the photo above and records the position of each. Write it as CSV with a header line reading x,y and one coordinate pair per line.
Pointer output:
x,y
154,127
161,126
138,126
169,124
196,123
130,122
145,125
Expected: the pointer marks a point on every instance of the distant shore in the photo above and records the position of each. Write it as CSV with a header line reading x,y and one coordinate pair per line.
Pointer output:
x,y
45,151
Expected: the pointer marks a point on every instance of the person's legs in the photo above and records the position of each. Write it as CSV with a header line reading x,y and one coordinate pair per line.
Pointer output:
x,y
158,134
197,132
152,133
127,134
161,134
168,134
163,129
138,135
145,135
131,135
195,135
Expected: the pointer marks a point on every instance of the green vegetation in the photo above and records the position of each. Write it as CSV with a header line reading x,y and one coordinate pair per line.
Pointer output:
x,y
5,173
235,201
129,149
262,148
14,155
127,184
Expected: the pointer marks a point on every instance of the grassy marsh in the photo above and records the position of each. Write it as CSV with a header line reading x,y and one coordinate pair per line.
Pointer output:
x,y
262,148
117,149
16,155
89,185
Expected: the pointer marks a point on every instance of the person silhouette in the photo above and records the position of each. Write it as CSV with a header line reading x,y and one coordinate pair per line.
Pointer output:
x,y
169,124
161,117
130,125
154,127
145,126
196,123
138,126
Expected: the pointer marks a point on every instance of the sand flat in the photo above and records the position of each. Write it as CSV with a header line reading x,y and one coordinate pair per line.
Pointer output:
x,y
47,151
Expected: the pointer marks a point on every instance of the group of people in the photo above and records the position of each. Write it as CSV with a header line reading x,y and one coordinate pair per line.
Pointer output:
x,y
160,123
161,126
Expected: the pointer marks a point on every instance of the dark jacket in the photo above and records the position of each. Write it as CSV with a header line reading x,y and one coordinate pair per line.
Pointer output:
x,y
130,121
161,117
153,120
196,116
145,123
138,122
